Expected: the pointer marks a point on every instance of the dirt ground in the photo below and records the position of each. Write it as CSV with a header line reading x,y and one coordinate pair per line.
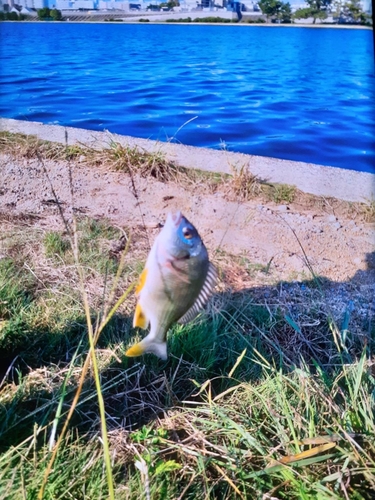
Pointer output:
x,y
338,245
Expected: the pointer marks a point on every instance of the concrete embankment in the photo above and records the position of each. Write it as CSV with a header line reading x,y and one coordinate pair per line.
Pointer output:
x,y
343,184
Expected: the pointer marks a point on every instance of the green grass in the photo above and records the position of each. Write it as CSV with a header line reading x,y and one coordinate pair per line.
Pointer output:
x,y
95,238
280,193
245,390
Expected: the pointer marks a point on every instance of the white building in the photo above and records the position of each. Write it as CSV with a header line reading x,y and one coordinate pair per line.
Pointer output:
x,y
32,4
113,5
367,6
64,4
84,4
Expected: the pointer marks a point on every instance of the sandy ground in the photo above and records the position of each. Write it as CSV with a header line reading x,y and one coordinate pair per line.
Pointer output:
x,y
336,246
340,245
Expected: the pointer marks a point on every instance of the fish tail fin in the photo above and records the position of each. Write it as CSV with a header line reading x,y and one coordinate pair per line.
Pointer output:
x,y
148,344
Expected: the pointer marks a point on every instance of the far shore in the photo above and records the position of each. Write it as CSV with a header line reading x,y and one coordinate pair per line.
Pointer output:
x,y
129,20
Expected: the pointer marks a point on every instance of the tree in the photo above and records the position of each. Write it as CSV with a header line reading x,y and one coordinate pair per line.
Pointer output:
x,y
169,5
285,13
56,14
12,16
307,12
269,7
350,12
44,13
319,8
277,9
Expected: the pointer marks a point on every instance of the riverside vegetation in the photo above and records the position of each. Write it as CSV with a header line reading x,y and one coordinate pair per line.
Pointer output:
x,y
342,12
265,396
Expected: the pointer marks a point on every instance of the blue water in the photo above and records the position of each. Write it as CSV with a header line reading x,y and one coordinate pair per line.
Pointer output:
x,y
295,93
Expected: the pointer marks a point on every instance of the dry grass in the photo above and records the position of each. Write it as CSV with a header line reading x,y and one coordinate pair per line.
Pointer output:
x,y
369,211
29,146
243,185
268,394
115,157
136,160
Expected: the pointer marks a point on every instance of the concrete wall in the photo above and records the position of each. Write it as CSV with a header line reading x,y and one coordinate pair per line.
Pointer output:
x,y
160,16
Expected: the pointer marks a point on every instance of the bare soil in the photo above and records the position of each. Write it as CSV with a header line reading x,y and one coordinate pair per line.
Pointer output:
x,y
273,242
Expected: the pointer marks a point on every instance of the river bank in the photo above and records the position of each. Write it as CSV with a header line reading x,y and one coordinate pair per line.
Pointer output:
x,y
347,185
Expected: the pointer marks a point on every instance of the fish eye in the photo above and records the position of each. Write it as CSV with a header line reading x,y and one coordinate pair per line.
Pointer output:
x,y
187,233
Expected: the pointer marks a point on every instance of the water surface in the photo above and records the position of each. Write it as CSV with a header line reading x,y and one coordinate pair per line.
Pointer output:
x,y
295,93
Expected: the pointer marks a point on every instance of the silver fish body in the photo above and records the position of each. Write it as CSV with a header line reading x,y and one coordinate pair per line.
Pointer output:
x,y
175,285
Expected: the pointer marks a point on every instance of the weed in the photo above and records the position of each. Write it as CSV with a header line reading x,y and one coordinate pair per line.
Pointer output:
x,y
55,244
28,146
95,239
369,211
136,160
243,185
15,289
280,192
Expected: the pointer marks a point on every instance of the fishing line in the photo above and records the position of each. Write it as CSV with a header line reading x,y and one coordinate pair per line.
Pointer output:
x,y
134,190
136,196
228,226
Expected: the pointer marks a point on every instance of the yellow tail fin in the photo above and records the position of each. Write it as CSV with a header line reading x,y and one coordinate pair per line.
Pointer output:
x,y
135,350
147,345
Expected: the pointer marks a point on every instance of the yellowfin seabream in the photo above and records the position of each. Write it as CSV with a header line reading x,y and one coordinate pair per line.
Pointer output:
x,y
174,286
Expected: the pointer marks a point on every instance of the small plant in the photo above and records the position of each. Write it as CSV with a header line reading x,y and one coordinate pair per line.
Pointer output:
x,y
282,193
243,185
15,288
369,210
55,244
135,160
259,20
30,146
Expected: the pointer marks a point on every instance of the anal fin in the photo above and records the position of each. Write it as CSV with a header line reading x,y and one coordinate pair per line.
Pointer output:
x,y
141,281
140,319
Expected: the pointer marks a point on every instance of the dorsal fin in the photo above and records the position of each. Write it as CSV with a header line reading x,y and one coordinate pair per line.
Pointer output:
x,y
203,297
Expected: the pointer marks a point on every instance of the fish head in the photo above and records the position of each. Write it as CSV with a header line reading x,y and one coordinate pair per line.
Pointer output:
x,y
184,240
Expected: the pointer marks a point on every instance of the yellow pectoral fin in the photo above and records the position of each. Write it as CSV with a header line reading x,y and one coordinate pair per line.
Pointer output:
x,y
140,319
141,281
135,350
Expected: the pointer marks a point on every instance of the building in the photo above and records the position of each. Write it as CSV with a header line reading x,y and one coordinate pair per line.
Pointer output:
x,y
62,4
366,6
84,4
32,4
112,5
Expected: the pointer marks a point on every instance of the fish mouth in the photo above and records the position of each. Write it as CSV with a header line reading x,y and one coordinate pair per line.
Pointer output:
x,y
176,218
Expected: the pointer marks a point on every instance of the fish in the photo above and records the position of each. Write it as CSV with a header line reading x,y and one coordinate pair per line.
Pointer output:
x,y
174,286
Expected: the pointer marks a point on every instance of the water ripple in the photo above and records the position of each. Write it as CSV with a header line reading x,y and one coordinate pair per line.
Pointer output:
x,y
299,94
